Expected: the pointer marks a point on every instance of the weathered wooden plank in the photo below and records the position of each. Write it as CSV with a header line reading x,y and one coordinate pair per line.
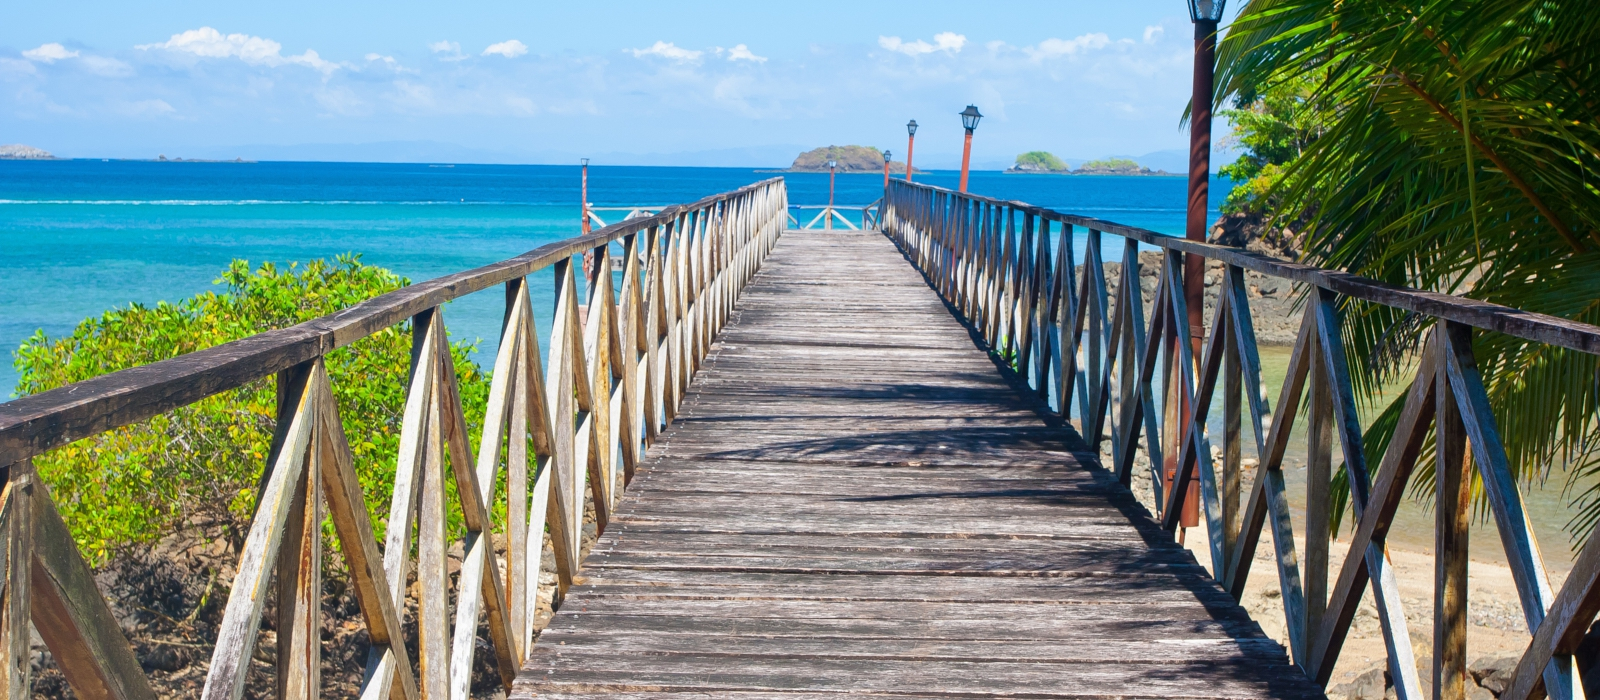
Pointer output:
x,y
388,660
16,657
72,618
1452,518
299,626
236,636
1367,557
1516,533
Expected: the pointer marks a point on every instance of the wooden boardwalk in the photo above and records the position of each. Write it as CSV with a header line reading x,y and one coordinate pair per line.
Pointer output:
x,y
854,499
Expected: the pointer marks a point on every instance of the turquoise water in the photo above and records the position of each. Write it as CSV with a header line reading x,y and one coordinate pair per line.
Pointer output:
x,y
80,237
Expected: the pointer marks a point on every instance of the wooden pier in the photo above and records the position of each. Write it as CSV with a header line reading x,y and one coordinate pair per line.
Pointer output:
x,y
827,462
853,498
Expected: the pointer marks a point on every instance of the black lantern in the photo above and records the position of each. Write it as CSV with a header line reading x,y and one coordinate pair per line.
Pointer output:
x,y
1206,10
887,156
970,117
832,164
911,128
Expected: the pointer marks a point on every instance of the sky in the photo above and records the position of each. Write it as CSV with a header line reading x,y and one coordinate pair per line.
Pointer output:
x,y
702,83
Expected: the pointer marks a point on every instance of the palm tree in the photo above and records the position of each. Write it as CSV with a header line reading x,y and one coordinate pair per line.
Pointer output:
x,y
1463,156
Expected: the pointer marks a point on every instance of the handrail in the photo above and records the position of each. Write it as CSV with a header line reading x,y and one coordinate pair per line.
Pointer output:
x,y
828,213
567,433
1528,325
1083,344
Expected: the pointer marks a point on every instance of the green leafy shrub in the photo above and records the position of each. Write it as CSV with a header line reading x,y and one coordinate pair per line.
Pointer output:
x,y
1274,127
200,464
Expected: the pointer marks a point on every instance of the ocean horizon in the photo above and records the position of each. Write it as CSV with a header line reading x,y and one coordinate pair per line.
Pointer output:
x,y
82,236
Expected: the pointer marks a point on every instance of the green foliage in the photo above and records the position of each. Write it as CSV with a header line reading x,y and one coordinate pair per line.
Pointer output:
x,y
1274,127
1110,164
1254,194
1460,155
1043,160
200,464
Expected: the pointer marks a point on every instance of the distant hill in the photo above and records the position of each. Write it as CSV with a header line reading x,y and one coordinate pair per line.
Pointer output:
x,y
1115,166
851,159
1046,163
17,151
1039,162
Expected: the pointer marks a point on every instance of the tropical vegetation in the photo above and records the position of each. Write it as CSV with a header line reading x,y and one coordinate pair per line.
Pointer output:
x,y
1110,164
1041,160
199,465
1272,128
1452,145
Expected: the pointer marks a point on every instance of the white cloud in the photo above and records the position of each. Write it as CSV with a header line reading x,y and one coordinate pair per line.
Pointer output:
x,y
49,53
948,42
509,49
254,50
743,53
1153,33
449,47
1052,48
669,51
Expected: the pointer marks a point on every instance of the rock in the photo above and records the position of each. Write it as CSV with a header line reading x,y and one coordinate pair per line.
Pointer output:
x,y
164,658
1369,685
1479,693
1273,593
1493,673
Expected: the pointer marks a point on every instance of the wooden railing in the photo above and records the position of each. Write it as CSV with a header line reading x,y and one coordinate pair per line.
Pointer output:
x,y
1008,269
827,214
629,213
561,432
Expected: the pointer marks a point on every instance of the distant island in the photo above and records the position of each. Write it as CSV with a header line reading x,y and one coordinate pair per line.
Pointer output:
x,y
1039,162
1046,162
851,159
17,151
164,159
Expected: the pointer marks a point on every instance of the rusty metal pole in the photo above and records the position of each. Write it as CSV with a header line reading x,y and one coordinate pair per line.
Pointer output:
x,y
886,156
583,226
966,160
827,214
911,140
585,196
1194,267
833,167
969,121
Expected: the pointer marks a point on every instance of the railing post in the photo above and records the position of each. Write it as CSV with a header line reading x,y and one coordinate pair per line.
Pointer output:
x,y
16,614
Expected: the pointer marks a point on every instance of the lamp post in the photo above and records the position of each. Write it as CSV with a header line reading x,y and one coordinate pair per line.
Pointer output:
x,y
911,140
1205,14
833,166
585,196
588,255
969,121
886,157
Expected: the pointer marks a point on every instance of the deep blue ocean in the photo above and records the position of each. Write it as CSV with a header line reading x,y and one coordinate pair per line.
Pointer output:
x,y
78,237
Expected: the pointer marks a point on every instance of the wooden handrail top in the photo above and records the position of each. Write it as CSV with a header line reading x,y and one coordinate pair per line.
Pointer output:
x,y
1527,325
33,424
